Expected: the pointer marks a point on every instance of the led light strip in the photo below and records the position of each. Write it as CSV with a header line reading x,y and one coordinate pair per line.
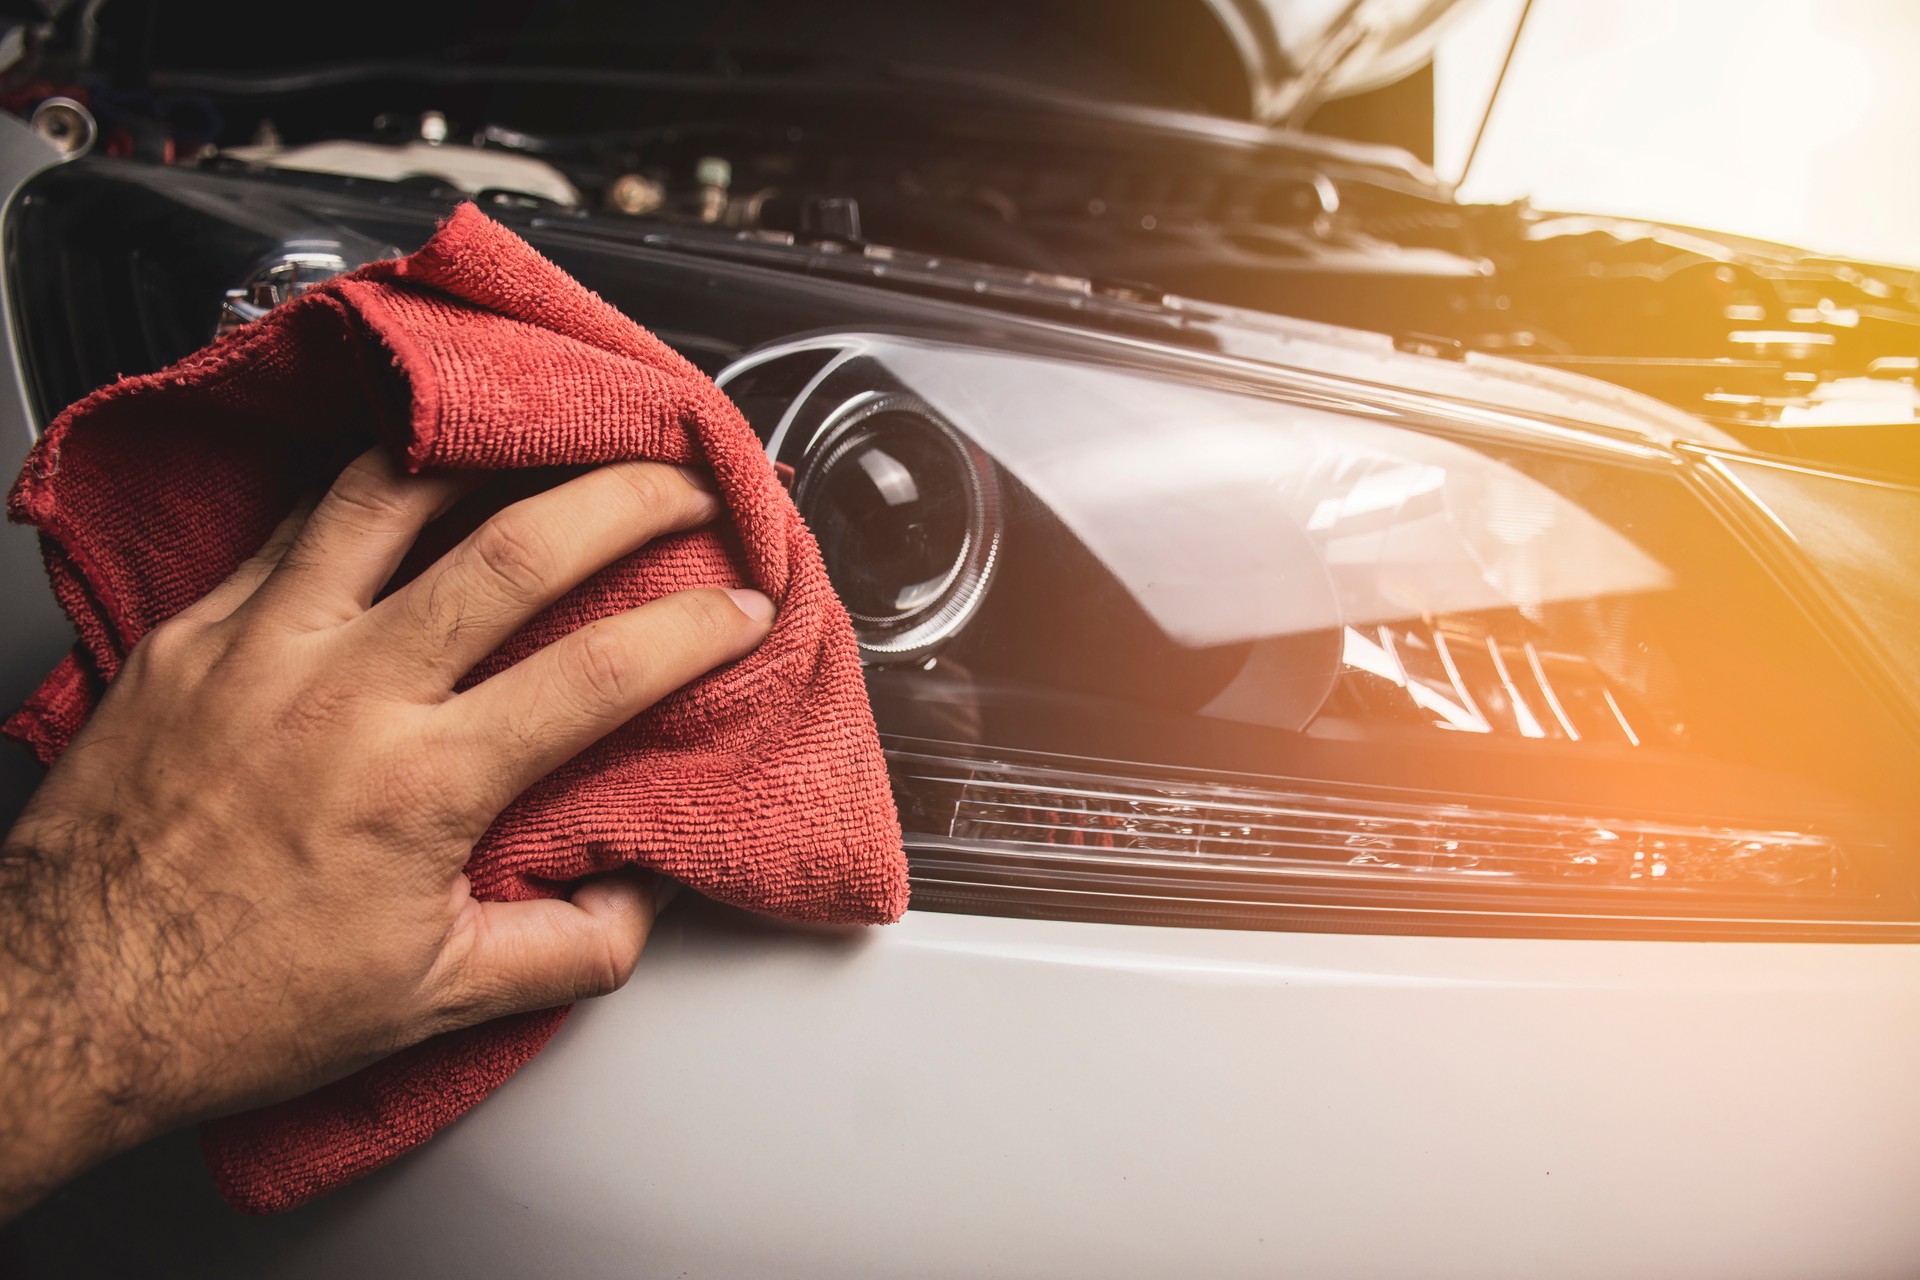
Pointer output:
x,y
982,828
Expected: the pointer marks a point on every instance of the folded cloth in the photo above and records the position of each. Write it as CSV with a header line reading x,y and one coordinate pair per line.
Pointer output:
x,y
761,784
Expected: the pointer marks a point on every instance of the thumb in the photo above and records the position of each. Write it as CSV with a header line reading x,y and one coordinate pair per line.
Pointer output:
x,y
548,951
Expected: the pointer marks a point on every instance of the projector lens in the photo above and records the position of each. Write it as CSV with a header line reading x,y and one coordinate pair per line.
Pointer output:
x,y
907,515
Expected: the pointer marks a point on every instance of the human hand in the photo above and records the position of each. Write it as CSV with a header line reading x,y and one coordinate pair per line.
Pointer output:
x,y
243,879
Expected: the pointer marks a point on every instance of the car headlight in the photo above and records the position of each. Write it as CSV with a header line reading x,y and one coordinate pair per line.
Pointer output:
x,y
1238,654
1164,636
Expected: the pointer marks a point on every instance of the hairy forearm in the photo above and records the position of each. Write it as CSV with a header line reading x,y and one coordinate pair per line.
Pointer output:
x,y
82,967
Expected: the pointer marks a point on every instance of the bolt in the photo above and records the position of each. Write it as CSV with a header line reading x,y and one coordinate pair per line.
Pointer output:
x,y
633,194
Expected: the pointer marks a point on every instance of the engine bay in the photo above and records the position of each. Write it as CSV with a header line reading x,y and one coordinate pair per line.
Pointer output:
x,y
973,174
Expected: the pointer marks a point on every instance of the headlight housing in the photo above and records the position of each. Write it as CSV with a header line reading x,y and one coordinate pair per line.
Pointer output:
x,y
1161,635
1257,657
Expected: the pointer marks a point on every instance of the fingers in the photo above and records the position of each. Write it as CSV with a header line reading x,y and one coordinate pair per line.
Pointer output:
x,y
356,537
544,709
517,956
523,559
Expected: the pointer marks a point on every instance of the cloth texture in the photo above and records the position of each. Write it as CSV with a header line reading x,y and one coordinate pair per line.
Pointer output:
x,y
761,784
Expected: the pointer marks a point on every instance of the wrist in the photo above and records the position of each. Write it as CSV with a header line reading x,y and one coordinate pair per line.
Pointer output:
x,y
80,1076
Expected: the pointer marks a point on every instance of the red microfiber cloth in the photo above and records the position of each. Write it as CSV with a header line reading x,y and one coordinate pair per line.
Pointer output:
x,y
760,785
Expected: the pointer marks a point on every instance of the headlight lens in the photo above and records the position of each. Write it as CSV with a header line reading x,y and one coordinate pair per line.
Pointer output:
x,y
1261,658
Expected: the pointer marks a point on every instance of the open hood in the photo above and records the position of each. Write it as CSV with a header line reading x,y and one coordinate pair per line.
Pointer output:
x,y
1267,61
1300,53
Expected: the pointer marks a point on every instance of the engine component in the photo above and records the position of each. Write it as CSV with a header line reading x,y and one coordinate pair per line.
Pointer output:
x,y
279,279
634,194
714,175
67,124
470,169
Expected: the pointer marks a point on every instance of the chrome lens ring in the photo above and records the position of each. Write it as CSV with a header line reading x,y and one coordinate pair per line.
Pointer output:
x,y
933,498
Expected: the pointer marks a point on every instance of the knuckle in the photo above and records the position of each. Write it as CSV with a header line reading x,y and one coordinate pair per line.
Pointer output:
x,y
513,554
368,492
167,650
646,488
712,619
599,977
604,669
167,640
254,569
610,964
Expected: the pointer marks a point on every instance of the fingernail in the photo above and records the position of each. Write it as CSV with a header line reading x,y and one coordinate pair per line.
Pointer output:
x,y
699,477
752,603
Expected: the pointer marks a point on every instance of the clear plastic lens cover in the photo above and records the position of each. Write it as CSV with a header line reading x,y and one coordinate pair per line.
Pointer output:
x,y
1190,577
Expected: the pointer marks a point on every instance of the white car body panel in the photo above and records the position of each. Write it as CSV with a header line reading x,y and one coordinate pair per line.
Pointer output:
x,y
966,1096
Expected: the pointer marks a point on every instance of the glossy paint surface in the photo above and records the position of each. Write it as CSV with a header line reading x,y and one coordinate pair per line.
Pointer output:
x,y
965,1096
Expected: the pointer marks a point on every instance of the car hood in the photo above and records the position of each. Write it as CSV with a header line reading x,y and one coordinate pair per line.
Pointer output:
x,y
1266,61
1299,53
